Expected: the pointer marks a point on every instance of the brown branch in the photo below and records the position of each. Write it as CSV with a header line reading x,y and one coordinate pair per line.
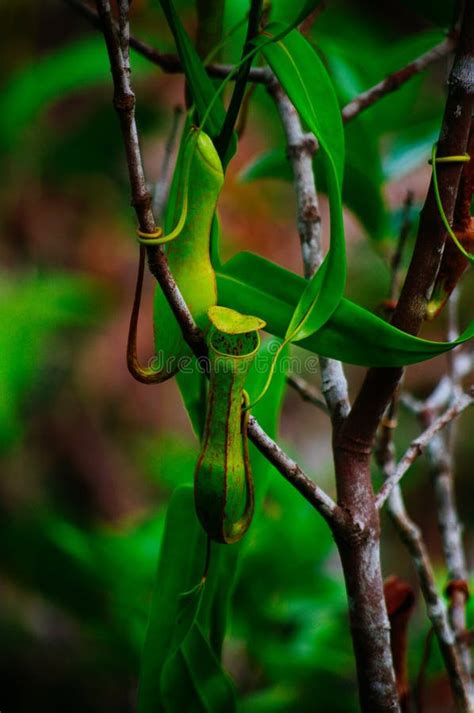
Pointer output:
x,y
454,263
397,79
124,102
292,472
419,444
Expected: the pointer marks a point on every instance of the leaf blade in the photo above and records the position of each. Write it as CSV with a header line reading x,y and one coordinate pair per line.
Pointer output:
x,y
352,334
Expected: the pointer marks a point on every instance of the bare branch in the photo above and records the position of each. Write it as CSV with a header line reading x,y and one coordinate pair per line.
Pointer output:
x,y
440,396
419,444
397,79
355,522
292,472
124,32
124,103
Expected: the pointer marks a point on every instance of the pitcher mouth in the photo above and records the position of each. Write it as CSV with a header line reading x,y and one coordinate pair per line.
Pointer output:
x,y
245,355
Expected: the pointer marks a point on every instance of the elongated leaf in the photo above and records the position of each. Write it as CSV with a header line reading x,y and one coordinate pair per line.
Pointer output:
x,y
181,600
195,681
214,609
313,95
180,569
352,334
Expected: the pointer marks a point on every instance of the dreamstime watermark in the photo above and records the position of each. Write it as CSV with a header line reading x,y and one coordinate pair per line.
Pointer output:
x,y
188,364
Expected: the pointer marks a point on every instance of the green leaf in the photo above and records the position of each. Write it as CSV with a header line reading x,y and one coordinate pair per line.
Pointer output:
x,y
180,568
313,96
352,334
312,93
195,680
187,619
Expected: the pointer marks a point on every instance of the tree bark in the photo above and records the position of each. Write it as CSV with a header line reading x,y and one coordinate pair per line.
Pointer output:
x,y
357,536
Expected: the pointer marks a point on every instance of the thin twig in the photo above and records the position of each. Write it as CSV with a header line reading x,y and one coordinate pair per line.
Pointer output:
x,y
440,396
412,538
124,32
292,472
435,606
419,444
397,79
171,64
124,102
307,392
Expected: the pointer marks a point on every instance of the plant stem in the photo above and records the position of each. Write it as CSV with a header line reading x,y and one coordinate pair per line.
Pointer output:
x,y
223,140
